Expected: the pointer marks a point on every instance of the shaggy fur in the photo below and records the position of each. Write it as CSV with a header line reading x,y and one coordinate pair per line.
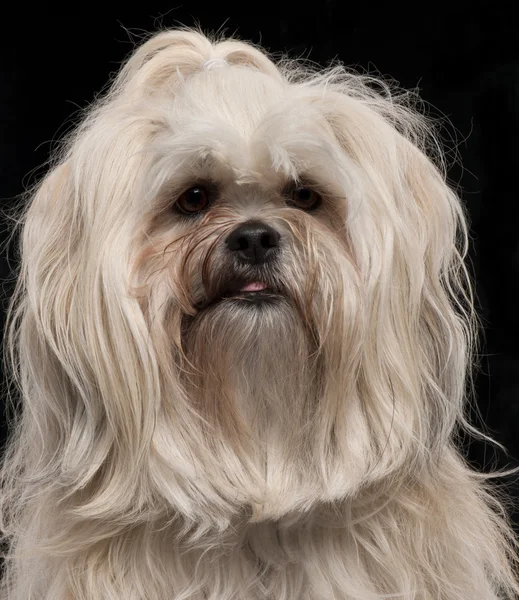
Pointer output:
x,y
175,444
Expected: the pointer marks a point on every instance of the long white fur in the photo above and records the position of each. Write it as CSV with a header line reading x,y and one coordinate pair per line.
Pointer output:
x,y
307,452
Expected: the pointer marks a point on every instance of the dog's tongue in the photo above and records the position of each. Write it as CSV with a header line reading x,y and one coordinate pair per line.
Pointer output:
x,y
254,286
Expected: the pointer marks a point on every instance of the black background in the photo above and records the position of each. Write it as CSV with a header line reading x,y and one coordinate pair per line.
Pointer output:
x,y
464,57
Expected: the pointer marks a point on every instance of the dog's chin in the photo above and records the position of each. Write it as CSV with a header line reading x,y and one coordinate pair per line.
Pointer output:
x,y
242,321
250,350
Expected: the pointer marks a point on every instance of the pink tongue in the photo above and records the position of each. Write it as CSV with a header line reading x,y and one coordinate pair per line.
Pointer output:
x,y
255,286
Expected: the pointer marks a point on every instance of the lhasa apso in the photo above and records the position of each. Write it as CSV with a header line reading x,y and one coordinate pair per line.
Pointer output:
x,y
243,334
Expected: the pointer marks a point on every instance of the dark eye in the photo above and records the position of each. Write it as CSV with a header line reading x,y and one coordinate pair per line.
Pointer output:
x,y
193,200
305,198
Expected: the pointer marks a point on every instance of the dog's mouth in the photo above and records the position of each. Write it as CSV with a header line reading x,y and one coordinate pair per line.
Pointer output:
x,y
252,289
254,292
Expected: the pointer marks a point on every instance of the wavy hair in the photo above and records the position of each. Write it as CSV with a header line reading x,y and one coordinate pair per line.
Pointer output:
x,y
132,469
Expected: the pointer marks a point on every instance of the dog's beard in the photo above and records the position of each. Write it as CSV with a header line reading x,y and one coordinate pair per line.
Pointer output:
x,y
253,372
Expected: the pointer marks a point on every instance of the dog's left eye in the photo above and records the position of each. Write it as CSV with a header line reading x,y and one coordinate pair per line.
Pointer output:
x,y
305,198
193,200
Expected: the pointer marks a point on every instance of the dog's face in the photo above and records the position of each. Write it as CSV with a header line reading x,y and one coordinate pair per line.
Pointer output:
x,y
256,286
246,241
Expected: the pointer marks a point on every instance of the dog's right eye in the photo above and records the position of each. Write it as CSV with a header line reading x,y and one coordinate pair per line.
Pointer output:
x,y
193,200
305,198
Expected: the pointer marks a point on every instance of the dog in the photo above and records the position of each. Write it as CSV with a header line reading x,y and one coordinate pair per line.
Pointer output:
x,y
243,334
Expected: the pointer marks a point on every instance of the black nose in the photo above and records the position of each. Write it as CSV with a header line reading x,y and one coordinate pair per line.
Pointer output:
x,y
254,242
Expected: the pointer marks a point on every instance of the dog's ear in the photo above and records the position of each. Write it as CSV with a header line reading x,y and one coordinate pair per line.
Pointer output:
x,y
50,246
435,257
41,336
87,375
409,238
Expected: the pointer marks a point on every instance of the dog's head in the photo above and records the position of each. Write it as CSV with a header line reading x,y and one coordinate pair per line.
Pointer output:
x,y
242,289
